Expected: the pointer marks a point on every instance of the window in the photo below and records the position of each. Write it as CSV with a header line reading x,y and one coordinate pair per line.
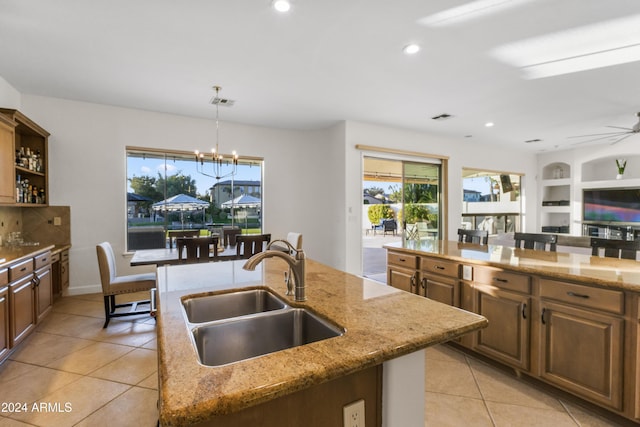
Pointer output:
x,y
166,191
491,201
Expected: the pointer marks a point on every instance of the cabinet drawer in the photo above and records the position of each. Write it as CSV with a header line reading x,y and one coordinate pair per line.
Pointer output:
x,y
4,276
438,266
55,257
585,296
502,279
42,260
403,260
21,269
64,256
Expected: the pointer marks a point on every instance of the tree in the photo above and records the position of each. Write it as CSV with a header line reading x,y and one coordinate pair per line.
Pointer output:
x,y
377,213
374,191
177,184
146,186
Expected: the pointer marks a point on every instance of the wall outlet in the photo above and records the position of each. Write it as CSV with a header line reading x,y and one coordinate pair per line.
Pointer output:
x,y
57,220
353,414
467,272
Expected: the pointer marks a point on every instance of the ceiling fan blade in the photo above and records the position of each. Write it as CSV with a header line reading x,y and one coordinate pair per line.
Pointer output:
x,y
600,138
622,138
598,134
620,127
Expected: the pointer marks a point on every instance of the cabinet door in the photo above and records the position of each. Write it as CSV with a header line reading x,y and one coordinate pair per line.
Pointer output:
x,y
582,352
64,270
507,336
4,321
21,307
442,289
44,292
402,278
7,165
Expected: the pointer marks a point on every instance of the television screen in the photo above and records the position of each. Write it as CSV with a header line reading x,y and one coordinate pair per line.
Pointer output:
x,y
611,205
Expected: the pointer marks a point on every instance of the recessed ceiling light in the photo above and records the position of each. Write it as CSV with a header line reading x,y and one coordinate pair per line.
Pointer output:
x,y
489,124
411,49
282,5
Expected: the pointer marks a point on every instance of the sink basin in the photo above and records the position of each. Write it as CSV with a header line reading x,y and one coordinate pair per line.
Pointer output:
x,y
232,304
239,339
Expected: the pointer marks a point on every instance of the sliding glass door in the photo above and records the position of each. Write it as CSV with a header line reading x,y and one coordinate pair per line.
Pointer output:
x,y
421,200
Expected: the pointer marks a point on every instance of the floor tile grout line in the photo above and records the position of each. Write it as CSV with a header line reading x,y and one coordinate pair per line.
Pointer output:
x,y
569,413
102,406
475,380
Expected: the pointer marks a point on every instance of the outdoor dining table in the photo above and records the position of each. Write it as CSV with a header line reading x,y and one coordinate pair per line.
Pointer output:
x,y
169,256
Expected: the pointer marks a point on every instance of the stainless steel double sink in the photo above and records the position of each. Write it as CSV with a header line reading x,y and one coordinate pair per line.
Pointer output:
x,y
242,324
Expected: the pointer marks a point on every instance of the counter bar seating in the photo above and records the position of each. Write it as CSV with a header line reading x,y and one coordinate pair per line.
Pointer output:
x,y
540,242
626,249
480,237
113,285
248,245
198,249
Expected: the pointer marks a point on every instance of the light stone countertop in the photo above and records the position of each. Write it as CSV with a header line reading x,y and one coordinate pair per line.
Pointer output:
x,y
381,323
613,273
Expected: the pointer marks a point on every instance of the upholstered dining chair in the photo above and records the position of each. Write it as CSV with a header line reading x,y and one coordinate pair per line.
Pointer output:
x,y
480,237
248,245
536,241
625,249
198,249
113,285
294,239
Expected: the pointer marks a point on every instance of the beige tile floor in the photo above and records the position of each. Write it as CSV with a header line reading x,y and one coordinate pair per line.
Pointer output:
x,y
108,377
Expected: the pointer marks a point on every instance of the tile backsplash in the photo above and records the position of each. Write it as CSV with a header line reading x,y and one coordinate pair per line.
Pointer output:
x,y
37,224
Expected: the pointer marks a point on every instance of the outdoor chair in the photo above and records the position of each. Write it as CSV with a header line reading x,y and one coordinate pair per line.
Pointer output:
x,y
480,237
113,285
389,226
536,241
198,249
248,245
625,249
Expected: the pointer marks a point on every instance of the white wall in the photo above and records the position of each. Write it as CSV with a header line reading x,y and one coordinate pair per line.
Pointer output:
x,y
313,179
461,153
87,172
9,96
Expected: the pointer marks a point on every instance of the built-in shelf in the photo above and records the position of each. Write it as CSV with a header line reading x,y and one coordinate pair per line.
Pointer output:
x,y
555,192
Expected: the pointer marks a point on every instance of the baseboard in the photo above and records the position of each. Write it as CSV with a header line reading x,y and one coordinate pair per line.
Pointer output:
x,y
82,290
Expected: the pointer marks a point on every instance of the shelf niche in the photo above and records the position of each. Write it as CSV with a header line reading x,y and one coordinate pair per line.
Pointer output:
x,y
605,169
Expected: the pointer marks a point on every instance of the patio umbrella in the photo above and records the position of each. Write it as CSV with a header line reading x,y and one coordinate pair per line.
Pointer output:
x,y
243,201
180,202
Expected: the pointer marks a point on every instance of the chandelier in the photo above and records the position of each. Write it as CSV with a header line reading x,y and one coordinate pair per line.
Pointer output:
x,y
218,161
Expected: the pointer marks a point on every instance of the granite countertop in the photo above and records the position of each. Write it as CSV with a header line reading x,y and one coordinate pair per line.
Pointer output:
x,y
12,254
593,270
381,323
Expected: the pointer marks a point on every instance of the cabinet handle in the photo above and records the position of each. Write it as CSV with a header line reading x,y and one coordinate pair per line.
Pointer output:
x,y
524,310
413,282
23,269
423,283
544,310
573,294
498,279
36,280
401,259
439,267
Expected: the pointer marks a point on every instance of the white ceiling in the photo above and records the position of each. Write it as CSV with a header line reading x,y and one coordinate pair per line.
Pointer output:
x,y
325,61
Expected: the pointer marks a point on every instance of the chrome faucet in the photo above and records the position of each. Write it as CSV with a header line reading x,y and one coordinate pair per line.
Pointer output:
x,y
296,266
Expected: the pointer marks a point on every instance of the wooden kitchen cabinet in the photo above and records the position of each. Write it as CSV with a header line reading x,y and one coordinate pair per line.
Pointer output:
x,y
27,137
7,161
582,348
22,318
402,271
439,281
504,299
43,283
4,312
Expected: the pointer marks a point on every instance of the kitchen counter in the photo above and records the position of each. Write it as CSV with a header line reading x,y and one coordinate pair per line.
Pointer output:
x,y
606,272
12,254
381,324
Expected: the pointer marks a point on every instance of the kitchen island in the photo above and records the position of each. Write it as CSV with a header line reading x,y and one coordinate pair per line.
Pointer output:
x,y
386,332
568,320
